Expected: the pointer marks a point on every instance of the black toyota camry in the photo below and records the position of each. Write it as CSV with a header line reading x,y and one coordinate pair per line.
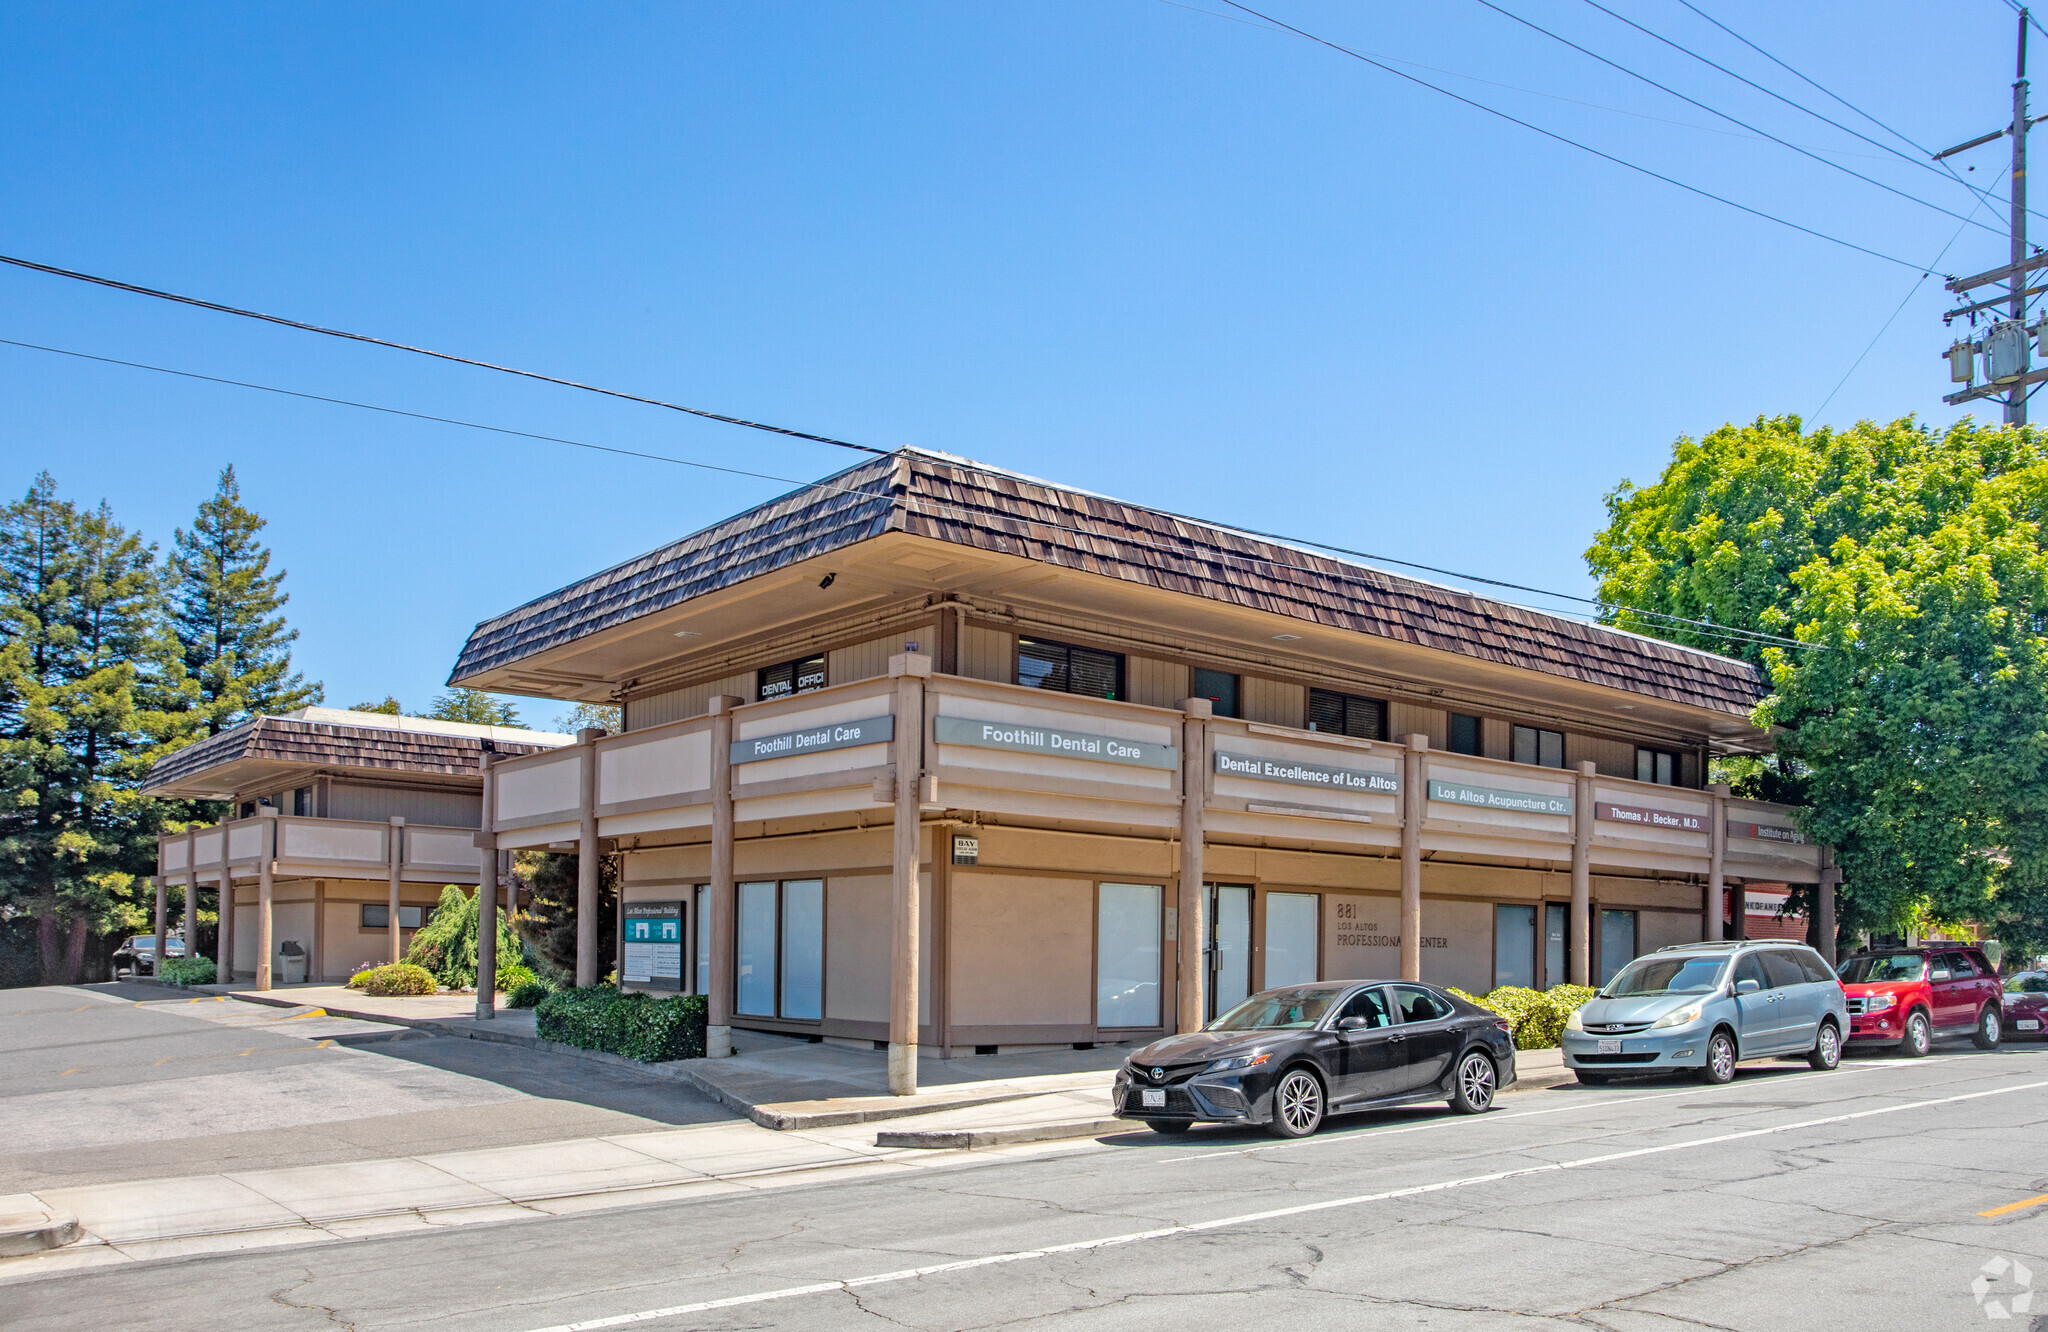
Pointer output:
x,y
1290,1057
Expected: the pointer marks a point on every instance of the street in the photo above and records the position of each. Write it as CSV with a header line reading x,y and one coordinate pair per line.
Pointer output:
x,y
1789,1199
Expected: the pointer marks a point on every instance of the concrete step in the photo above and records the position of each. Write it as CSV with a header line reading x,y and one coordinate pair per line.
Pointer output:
x,y
29,1225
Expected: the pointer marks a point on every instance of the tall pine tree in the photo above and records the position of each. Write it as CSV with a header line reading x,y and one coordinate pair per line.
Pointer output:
x,y
227,610
91,691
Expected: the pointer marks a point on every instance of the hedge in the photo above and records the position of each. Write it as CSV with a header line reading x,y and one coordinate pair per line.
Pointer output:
x,y
527,993
186,971
1535,1017
636,1025
393,978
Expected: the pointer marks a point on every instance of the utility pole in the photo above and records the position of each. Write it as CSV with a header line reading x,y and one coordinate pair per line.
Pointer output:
x,y
2004,346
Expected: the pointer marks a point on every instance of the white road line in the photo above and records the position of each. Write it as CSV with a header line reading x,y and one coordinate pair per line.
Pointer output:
x,y
1249,1218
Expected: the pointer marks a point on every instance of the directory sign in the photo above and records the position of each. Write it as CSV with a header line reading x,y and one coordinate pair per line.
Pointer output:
x,y
652,951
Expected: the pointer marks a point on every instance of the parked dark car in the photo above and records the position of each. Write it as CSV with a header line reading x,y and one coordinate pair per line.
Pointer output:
x,y
138,955
1290,1057
2026,1005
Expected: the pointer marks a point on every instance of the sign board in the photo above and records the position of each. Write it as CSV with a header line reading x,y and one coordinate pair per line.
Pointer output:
x,y
966,849
1030,739
1762,903
653,939
815,740
1487,797
1766,832
1642,816
1263,769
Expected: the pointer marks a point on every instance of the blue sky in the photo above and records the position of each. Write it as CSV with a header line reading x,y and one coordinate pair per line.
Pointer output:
x,y
1156,252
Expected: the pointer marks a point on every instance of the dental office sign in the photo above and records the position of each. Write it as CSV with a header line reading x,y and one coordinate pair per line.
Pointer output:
x,y
839,735
1488,797
1307,774
1642,816
1030,739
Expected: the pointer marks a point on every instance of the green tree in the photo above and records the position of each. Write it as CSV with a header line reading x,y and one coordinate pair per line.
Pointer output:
x,y
91,692
228,612
389,707
548,923
1908,560
446,943
475,707
604,716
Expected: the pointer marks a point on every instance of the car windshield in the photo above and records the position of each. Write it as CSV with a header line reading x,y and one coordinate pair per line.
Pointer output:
x,y
1667,975
2030,982
1277,1008
1881,967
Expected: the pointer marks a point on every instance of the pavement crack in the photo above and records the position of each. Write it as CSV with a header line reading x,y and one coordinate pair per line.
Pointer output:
x,y
282,1299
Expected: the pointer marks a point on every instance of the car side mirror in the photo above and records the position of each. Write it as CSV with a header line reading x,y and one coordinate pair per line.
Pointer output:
x,y
1747,986
1351,1024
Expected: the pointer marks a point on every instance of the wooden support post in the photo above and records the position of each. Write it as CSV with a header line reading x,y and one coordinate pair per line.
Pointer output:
x,y
397,859
224,935
163,924
1414,802
911,670
1580,942
266,893
719,893
587,868
487,901
1716,896
1191,983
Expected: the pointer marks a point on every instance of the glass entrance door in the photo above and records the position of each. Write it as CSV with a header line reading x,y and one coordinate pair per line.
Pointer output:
x,y
1230,946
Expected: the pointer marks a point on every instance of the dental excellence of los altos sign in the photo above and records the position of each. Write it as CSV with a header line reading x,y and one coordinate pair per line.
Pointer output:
x,y
1030,739
1307,774
839,735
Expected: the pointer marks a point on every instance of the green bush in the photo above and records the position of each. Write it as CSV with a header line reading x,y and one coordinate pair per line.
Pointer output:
x,y
637,1025
360,979
396,978
1535,1017
446,944
512,975
527,993
186,971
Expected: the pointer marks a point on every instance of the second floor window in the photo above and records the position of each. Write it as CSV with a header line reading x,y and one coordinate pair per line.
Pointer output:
x,y
1066,669
792,677
1543,748
1657,765
1464,734
1219,687
1347,714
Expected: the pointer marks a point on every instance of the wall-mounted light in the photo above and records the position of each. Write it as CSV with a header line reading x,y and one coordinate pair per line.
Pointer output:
x,y
826,581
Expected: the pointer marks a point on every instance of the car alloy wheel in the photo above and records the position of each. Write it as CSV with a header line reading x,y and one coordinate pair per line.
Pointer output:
x,y
1919,1036
1297,1104
1989,1028
1720,1065
1827,1048
1472,1093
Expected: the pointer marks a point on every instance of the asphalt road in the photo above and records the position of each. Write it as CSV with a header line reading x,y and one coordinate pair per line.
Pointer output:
x,y
1790,1199
119,1082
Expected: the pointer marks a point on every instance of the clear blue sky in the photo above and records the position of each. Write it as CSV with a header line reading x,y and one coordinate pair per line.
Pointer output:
x,y
1123,244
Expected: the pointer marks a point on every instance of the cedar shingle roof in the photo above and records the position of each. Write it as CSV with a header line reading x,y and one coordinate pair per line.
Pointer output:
x,y
292,742
952,500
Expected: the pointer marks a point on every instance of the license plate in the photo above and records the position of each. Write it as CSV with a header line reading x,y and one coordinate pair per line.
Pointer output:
x,y
1610,1047
1152,1098
2027,1024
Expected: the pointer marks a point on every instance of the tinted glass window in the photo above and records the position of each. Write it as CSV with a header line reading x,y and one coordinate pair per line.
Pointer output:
x,y
1370,1005
1816,970
1656,765
1464,734
1782,969
1882,967
1534,745
1065,669
1961,965
1416,1005
1347,714
1270,1009
1220,688
1749,969
793,677
1668,975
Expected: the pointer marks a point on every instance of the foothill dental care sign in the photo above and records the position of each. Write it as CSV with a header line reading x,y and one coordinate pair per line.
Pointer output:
x,y
838,735
1033,739
1307,774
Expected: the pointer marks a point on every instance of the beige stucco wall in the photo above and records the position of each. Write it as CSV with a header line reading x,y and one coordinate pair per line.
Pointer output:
x,y
375,804
1023,950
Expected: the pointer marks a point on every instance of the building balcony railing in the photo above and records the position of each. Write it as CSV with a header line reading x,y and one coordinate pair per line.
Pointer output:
x,y
302,847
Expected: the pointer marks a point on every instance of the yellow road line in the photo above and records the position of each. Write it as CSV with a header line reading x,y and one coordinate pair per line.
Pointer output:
x,y
324,1045
311,1012
246,1053
2020,1206
67,1072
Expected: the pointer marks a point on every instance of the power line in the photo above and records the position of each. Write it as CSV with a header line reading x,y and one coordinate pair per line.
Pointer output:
x,y
216,306
1733,120
1701,628
1574,143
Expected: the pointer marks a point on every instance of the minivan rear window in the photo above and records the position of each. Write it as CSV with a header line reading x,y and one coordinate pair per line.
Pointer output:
x,y
1782,969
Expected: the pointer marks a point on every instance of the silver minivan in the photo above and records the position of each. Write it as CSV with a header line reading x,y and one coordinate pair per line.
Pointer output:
x,y
1706,1007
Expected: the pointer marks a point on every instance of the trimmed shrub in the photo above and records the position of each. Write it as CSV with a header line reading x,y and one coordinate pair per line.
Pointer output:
x,y
186,971
637,1025
361,978
527,993
1535,1017
512,975
396,978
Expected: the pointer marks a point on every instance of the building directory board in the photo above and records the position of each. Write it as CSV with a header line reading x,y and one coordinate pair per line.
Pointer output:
x,y
652,945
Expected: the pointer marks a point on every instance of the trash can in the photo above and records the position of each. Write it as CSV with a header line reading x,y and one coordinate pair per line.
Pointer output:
x,y
294,955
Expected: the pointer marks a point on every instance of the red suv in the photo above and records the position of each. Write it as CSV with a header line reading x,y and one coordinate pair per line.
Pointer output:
x,y
1908,996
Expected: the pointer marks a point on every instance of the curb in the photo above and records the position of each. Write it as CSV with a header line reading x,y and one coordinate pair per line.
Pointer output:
x,y
958,1138
24,1235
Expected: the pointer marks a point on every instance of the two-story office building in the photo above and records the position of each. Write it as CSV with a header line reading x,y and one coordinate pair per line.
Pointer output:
x,y
932,753
344,828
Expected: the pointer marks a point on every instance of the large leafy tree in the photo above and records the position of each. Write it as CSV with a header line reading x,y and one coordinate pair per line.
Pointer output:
x,y
1907,563
475,707
228,608
92,690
